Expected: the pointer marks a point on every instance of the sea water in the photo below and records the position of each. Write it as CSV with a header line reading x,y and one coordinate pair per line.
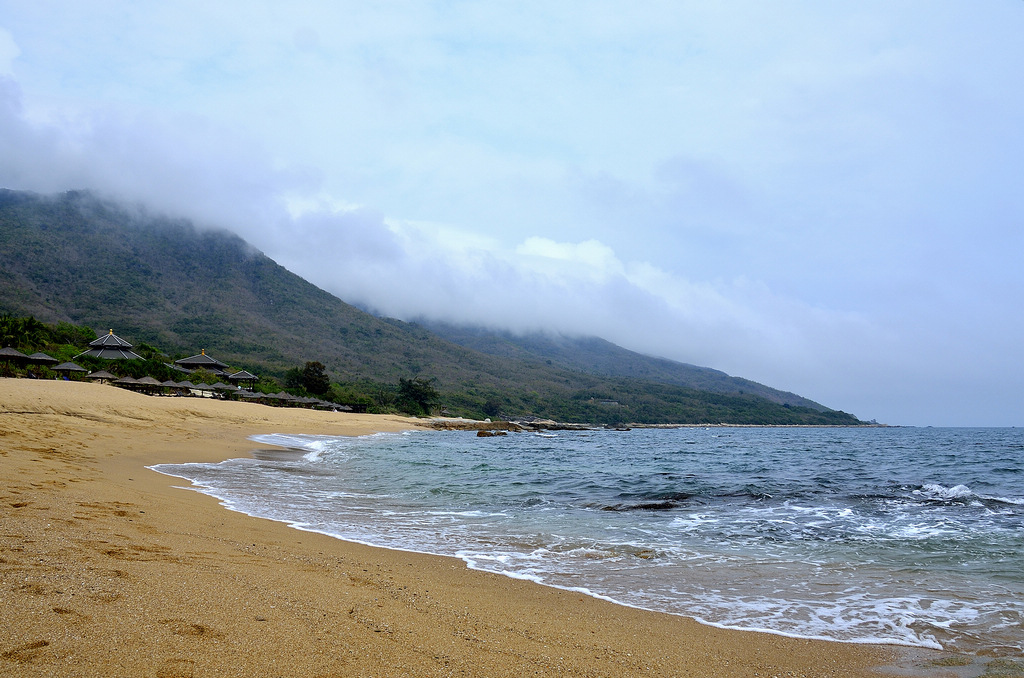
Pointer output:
x,y
877,535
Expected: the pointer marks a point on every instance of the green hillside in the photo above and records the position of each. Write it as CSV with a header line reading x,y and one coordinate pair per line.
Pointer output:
x,y
603,358
76,258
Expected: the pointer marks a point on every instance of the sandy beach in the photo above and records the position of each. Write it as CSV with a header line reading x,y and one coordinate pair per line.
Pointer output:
x,y
110,569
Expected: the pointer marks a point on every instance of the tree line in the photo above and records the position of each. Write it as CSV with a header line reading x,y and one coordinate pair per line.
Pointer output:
x,y
64,341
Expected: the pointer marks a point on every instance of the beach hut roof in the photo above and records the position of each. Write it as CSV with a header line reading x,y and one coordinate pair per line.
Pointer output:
x,y
186,384
102,374
202,360
243,375
148,381
126,380
110,340
42,359
170,384
8,353
221,386
110,347
68,367
110,354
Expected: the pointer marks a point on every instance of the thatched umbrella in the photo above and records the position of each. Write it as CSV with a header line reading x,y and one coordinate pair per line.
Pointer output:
x,y
12,355
42,359
172,385
243,377
148,383
285,398
101,375
205,388
275,398
69,368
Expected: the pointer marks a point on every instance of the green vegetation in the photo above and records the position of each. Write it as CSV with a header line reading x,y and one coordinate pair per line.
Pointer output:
x,y
168,287
28,333
597,356
417,396
315,379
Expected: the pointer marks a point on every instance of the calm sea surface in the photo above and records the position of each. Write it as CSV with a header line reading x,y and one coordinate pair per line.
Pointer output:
x,y
900,535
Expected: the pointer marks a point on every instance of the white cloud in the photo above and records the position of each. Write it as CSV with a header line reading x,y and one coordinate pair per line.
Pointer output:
x,y
589,261
8,53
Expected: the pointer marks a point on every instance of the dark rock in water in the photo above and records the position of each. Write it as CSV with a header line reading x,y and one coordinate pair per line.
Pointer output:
x,y
490,434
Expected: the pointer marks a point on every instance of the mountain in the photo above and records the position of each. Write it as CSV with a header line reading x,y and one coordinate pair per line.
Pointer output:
x,y
593,355
77,258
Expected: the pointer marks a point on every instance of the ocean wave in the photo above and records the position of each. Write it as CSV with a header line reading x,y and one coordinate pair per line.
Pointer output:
x,y
936,492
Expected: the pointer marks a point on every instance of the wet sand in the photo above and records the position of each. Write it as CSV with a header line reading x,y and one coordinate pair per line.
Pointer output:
x,y
109,569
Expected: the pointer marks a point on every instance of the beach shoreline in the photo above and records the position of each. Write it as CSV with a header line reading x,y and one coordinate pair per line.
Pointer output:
x,y
110,568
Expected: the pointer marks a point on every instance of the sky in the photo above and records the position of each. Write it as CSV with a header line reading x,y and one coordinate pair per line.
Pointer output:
x,y
825,197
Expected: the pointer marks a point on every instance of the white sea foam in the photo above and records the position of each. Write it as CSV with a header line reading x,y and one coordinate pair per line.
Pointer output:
x,y
468,514
936,491
291,441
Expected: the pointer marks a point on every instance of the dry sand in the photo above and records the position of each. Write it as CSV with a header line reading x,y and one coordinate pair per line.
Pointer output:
x,y
108,569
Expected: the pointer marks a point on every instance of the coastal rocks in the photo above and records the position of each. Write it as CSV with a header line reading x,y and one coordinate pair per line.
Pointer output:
x,y
550,425
523,425
472,425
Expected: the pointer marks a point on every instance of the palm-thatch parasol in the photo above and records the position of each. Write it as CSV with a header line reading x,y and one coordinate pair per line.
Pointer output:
x,y
12,355
148,382
69,368
243,377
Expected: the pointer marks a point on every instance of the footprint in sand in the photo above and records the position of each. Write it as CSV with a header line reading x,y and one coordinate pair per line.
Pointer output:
x,y
25,653
180,627
73,616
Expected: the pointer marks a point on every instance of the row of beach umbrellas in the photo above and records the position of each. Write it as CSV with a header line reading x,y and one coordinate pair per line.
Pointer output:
x,y
13,355
151,382
281,397
288,399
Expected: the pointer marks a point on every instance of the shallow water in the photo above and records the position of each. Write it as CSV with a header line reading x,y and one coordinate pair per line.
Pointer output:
x,y
906,536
